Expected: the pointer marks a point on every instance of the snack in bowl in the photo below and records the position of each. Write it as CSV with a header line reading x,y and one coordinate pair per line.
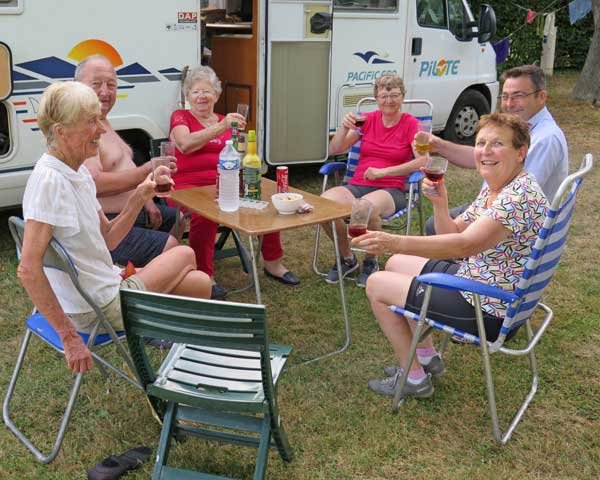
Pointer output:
x,y
287,203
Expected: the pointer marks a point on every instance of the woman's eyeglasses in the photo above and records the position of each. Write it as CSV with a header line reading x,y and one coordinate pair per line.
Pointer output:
x,y
394,97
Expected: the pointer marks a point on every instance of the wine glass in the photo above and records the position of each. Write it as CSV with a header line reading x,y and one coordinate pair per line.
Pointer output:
x,y
434,170
242,109
359,119
359,218
423,137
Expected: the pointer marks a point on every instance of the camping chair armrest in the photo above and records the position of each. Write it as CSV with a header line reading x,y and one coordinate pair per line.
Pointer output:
x,y
416,177
332,167
453,282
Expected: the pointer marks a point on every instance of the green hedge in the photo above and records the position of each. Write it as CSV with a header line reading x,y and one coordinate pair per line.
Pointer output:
x,y
572,41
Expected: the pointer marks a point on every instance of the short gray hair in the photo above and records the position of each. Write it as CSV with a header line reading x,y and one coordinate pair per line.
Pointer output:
x,y
201,73
66,103
81,65
535,74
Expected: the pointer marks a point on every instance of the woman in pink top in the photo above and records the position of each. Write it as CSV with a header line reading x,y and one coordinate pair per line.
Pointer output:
x,y
386,159
200,134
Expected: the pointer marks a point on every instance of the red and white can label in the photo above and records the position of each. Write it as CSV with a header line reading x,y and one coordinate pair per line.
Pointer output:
x,y
283,185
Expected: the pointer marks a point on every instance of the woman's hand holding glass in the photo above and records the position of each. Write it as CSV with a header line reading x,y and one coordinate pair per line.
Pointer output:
x,y
234,117
377,242
350,119
147,189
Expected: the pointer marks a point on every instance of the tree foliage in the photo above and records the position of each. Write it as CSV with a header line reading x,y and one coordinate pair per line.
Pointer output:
x,y
572,41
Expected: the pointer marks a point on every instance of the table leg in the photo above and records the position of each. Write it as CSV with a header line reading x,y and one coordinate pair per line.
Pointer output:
x,y
342,300
253,257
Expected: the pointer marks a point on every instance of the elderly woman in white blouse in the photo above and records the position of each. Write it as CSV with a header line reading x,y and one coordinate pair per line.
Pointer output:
x,y
60,202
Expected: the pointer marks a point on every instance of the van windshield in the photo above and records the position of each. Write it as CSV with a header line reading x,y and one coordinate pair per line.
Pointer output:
x,y
366,5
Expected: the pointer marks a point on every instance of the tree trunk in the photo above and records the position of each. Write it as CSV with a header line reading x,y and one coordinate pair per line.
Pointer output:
x,y
587,87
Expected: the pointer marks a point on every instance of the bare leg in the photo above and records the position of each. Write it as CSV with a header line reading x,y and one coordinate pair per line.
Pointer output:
x,y
171,243
276,267
174,271
340,195
391,288
409,263
179,227
383,206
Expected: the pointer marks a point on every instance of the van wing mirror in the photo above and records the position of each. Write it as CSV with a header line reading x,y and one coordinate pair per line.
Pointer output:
x,y
6,83
487,23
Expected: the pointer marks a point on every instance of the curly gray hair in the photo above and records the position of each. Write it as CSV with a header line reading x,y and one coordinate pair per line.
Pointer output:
x,y
201,73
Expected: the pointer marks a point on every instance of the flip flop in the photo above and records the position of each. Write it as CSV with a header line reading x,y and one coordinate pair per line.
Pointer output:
x,y
113,467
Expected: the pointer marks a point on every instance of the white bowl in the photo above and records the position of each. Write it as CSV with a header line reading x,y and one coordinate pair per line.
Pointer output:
x,y
287,203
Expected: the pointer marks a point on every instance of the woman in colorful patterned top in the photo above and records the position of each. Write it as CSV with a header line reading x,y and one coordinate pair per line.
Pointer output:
x,y
200,134
494,236
386,159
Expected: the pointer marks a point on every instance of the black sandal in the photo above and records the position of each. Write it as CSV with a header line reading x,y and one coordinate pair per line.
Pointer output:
x,y
113,467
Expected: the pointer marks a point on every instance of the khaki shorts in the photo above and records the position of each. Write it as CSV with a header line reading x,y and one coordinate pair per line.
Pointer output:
x,y
85,322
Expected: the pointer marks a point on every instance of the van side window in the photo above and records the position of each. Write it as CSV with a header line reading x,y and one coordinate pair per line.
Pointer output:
x,y
366,5
431,13
457,17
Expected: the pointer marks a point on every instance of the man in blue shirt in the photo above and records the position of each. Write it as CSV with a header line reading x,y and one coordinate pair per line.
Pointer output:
x,y
523,94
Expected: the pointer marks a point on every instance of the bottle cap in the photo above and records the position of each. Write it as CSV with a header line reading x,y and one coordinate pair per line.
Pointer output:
x,y
234,124
252,135
229,142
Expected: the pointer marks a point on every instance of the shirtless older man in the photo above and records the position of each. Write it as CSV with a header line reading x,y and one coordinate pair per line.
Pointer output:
x,y
116,176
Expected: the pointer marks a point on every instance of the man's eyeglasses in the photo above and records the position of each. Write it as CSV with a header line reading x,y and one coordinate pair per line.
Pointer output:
x,y
393,96
516,96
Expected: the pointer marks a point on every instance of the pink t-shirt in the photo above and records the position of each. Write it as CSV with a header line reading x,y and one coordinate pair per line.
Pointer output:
x,y
199,168
383,147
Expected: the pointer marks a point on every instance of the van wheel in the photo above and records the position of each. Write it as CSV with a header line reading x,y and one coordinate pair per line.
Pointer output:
x,y
469,107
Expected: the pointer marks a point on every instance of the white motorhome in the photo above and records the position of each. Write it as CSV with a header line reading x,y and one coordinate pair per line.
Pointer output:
x,y
300,65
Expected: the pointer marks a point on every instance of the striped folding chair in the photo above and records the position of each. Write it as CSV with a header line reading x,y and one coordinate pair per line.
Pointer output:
x,y
539,270
414,180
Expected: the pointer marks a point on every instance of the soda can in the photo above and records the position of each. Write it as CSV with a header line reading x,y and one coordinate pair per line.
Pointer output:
x,y
283,185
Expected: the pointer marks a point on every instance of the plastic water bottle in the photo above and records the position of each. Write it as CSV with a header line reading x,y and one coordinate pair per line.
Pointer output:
x,y
229,178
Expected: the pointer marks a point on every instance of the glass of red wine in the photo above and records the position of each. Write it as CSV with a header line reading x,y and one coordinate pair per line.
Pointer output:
x,y
359,119
359,218
161,169
434,170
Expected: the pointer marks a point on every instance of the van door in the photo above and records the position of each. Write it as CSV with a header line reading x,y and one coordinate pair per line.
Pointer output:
x,y
368,42
446,61
297,81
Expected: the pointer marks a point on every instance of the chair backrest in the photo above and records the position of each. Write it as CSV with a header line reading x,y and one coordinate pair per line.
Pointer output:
x,y
425,115
233,326
546,252
55,257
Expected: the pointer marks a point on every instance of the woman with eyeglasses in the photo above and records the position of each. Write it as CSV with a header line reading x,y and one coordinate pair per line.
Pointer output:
x,y
199,135
386,159
492,239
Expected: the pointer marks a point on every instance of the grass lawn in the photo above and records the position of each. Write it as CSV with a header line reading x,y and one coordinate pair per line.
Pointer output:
x,y
338,429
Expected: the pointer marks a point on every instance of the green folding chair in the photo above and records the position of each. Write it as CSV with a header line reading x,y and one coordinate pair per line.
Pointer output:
x,y
219,380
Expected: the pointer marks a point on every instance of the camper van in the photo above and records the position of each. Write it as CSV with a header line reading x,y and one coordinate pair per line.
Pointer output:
x,y
299,65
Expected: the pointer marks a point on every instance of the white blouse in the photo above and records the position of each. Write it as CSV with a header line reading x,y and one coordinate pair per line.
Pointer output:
x,y
66,200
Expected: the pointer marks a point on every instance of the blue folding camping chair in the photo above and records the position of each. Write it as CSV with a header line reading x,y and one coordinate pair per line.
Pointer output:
x,y
38,327
523,302
414,180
